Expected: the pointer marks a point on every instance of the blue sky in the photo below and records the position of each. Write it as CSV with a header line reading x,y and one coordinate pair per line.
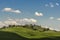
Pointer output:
x,y
42,12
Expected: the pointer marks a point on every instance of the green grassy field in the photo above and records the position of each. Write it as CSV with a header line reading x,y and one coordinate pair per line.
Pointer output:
x,y
20,33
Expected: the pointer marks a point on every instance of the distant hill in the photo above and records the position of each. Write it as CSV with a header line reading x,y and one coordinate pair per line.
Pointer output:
x,y
21,33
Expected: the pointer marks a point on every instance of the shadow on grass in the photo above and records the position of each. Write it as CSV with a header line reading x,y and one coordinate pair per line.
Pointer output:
x,y
10,36
13,36
48,38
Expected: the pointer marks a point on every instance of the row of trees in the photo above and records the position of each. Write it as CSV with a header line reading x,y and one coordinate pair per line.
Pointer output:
x,y
30,26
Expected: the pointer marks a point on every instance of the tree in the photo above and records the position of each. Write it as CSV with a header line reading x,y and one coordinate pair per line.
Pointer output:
x,y
3,27
25,25
13,25
46,29
31,26
10,26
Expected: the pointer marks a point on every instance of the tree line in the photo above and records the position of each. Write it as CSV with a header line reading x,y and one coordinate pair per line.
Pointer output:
x,y
29,26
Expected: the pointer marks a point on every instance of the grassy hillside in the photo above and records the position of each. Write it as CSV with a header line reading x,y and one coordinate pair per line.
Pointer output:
x,y
19,33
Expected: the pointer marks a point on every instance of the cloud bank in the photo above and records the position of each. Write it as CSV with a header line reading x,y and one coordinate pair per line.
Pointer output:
x,y
18,21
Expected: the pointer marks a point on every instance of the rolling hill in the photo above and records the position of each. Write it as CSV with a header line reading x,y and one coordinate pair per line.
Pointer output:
x,y
21,33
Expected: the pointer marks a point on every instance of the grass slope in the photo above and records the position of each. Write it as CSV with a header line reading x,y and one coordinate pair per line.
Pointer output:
x,y
16,33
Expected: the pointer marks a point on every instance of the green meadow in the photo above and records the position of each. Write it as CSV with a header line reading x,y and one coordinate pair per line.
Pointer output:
x,y
23,33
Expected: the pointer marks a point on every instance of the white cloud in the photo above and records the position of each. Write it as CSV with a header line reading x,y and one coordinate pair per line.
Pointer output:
x,y
57,4
51,28
23,21
51,4
38,14
58,19
10,22
26,21
20,21
11,10
31,20
51,18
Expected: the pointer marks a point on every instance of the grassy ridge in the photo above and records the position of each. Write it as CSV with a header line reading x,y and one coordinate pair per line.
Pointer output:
x,y
29,33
